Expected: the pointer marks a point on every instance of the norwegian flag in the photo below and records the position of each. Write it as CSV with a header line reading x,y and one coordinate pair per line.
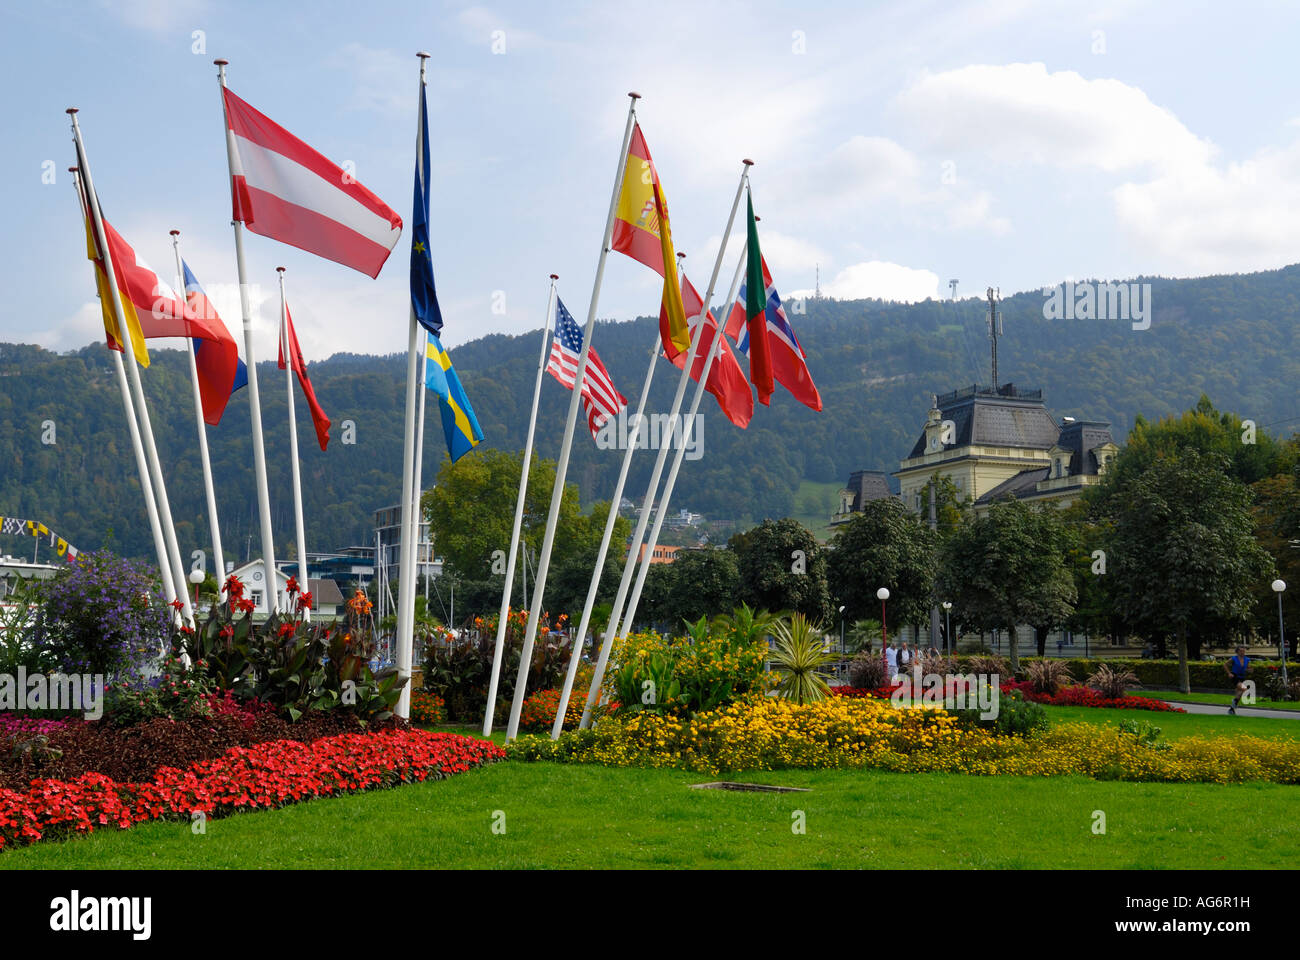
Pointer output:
x,y
600,398
789,368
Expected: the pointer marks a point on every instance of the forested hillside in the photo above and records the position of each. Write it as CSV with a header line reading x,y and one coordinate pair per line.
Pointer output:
x,y
876,364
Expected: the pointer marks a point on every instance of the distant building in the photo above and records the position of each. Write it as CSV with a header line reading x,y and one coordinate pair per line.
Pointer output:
x,y
351,565
253,576
997,443
662,553
388,535
863,487
326,598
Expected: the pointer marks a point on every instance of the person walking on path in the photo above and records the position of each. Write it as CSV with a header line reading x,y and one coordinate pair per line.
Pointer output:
x,y
1238,667
891,661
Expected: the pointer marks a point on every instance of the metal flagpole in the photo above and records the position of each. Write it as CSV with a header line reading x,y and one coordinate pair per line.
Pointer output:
x,y
413,551
576,656
218,557
406,582
718,334
150,503
515,530
172,553
250,360
575,401
616,613
303,586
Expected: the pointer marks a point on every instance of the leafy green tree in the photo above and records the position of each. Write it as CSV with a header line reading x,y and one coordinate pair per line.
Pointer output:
x,y
698,583
1183,553
781,567
1008,568
885,545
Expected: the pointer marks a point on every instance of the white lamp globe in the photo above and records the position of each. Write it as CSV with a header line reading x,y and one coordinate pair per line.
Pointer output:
x,y
196,577
1279,586
882,593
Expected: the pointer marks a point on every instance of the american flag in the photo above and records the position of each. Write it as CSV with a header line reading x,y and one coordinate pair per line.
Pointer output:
x,y
600,397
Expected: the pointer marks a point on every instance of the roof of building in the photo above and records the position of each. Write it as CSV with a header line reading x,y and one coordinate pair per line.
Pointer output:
x,y
1023,484
1005,417
866,485
325,592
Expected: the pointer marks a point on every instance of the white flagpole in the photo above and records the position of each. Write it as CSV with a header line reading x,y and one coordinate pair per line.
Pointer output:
x,y
406,582
137,389
519,520
576,656
562,466
681,450
250,360
218,557
413,551
293,447
150,503
615,616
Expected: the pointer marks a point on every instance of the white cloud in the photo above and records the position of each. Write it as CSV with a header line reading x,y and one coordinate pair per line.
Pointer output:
x,y
876,279
157,16
1058,118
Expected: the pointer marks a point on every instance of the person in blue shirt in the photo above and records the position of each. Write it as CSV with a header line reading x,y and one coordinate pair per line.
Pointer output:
x,y
1238,667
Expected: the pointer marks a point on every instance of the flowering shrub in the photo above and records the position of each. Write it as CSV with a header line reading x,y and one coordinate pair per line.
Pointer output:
x,y
427,708
263,777
859,732
880,693
292,664
710,668
1080,696
538,712
99,614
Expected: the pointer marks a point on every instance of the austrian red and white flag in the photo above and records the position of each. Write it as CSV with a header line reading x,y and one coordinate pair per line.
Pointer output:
x,y
284,189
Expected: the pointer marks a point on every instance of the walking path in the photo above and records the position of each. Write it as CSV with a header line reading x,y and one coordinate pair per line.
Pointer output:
x,y
1222,710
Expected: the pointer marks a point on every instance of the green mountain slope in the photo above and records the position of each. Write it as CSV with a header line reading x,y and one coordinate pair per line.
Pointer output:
x,y
876,364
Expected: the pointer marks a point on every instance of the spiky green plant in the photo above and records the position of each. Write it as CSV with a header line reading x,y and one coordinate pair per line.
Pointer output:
x,y
800,652
744,625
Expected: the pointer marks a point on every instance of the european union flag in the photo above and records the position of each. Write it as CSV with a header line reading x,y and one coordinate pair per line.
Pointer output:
x,y
424,298
459,425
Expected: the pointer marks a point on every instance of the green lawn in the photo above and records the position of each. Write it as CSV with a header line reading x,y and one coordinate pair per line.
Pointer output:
x,y
563,816
814,502
582,816
1174,725
1220,698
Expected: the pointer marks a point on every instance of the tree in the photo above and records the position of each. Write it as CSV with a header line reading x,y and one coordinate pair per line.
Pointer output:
x,y
781,567
883,546
698,583
1007,568
471,512
1183,553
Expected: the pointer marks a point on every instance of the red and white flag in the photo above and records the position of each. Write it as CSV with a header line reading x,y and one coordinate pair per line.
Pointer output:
x,y
726,380
284,189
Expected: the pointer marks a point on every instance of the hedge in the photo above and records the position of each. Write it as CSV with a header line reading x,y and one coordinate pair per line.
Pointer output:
x,y
1164,673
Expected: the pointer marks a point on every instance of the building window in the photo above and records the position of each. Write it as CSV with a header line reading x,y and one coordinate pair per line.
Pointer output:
x,y
257,597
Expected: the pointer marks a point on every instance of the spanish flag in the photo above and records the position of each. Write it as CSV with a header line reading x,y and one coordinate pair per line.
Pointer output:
x,y
459,425
116,243
642,232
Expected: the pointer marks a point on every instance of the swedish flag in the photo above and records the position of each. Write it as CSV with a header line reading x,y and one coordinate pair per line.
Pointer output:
x,y
459,425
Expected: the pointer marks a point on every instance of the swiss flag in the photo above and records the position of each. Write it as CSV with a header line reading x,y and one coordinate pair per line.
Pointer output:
x,y
726,381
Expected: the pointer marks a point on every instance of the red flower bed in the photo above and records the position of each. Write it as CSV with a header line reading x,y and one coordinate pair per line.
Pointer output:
x,y
265,776
537,714
1081,696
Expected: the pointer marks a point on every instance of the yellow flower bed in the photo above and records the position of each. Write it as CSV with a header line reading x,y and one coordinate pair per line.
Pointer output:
x,y
859,733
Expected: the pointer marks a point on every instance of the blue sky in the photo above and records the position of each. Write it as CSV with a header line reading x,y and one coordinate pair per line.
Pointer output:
x,y
1001,142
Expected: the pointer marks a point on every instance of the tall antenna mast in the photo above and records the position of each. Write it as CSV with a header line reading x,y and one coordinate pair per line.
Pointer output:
x,y
995,330
953,284
817,289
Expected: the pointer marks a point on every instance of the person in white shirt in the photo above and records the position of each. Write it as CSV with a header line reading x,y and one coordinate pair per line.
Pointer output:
x,y
891,660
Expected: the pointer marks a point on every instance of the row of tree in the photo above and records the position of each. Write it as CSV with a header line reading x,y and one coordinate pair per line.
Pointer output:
x,y
1177,545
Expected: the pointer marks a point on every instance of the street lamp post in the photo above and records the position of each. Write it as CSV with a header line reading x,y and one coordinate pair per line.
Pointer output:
x,y
882,595
947,634
1278,587
841,630
196,578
